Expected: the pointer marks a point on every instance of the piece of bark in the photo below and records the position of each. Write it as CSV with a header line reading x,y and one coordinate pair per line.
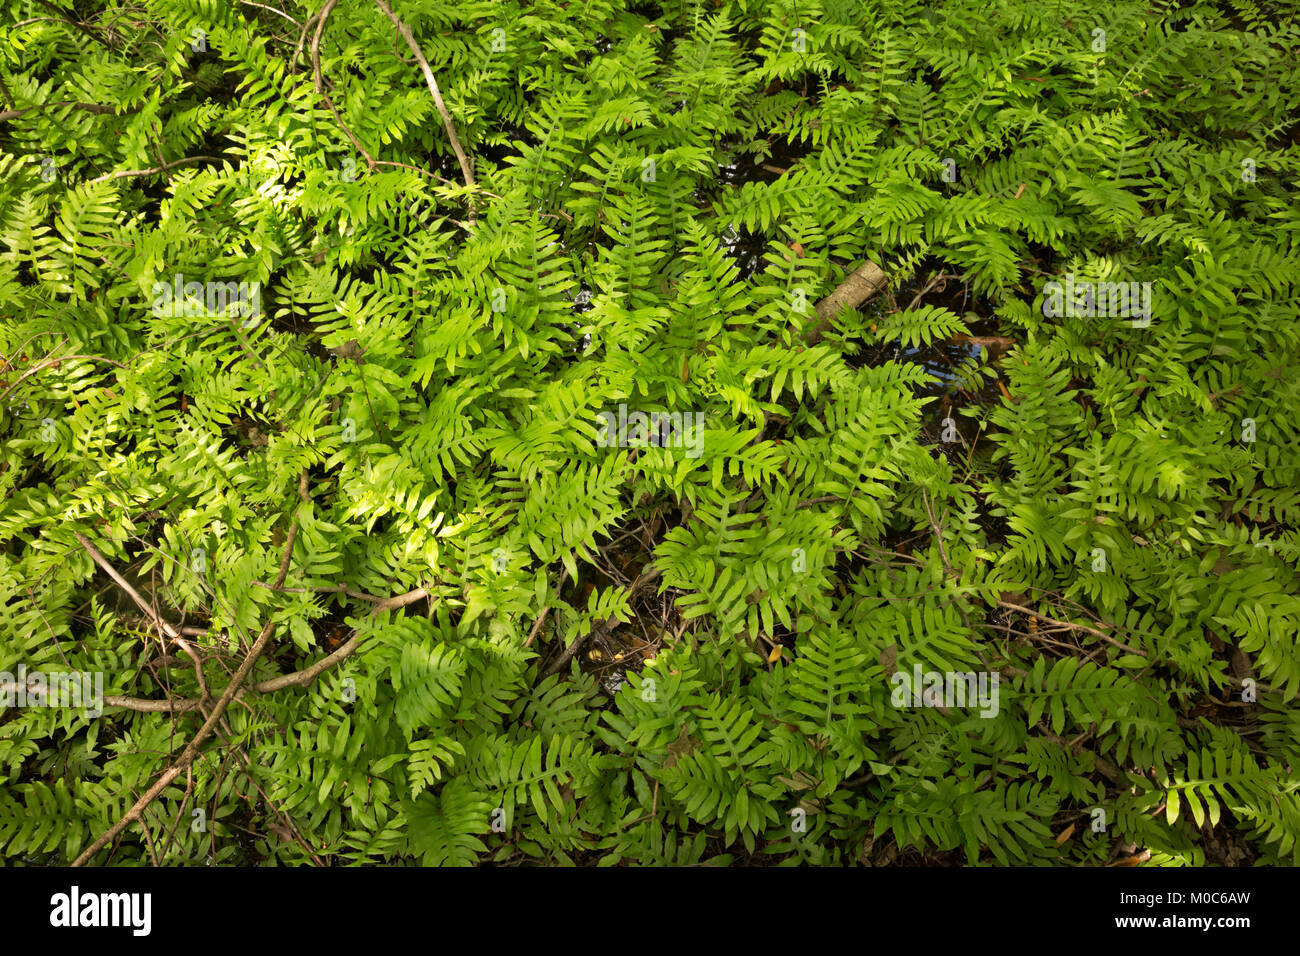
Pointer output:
x,y
863,283
1241,668
994,343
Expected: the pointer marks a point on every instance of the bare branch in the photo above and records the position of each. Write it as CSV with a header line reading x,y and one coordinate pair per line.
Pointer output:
x,y
278,13
163,626
320,80
1070,625
146,705
127,173
541,618
88,107
465,170
192,748
300,678
48,362
69,18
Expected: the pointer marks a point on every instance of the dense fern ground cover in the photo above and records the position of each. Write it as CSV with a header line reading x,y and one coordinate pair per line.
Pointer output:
x,y
327,452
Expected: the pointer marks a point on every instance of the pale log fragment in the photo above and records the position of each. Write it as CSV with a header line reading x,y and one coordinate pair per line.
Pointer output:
x,y
864,282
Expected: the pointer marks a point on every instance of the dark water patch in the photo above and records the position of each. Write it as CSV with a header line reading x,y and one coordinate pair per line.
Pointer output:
x,y
513,136
963,372
1286,137
764,166
746,249
613,649
737,168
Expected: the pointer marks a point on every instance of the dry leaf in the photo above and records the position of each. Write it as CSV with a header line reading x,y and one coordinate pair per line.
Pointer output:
x,y
351,350
680,747
1136,860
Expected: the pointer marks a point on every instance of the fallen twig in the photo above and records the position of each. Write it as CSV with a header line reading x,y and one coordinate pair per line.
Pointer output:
x,y
128,173
541,619
88,107
1071,625
300,678
447,124
304,677
49,362
192,748
319,80
162,625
